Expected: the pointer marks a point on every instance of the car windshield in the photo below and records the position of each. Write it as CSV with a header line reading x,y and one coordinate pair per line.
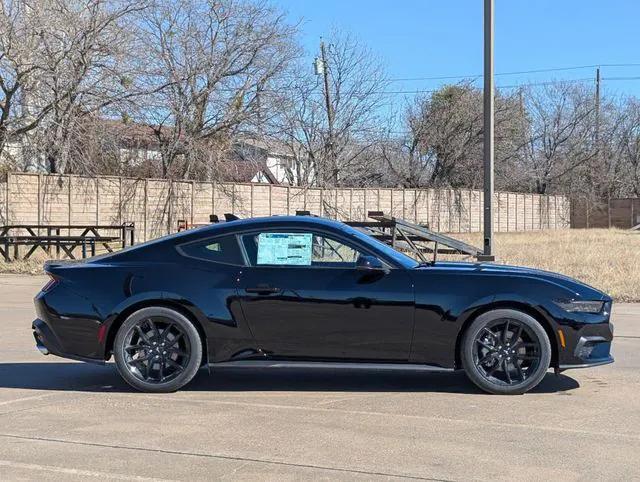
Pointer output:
x,y
402,259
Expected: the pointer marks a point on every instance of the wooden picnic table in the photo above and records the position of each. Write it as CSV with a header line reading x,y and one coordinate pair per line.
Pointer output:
x,y
88,238
126,228
66,244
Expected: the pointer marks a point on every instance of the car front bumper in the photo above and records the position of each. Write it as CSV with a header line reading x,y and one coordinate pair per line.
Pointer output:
x,y
588,341
590,351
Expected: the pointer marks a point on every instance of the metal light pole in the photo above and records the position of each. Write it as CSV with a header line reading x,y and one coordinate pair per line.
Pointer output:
x,y
488,132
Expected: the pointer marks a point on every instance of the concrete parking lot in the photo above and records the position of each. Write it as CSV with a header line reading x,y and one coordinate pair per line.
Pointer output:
x,y
73,421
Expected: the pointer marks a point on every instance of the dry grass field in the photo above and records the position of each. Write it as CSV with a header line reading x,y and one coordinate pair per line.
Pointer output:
x,y
31,266
608,259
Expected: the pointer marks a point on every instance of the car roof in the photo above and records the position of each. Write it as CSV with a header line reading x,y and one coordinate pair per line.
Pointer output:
x,y
242,224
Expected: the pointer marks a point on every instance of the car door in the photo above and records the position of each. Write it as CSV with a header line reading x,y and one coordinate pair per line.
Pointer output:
x,y
303,297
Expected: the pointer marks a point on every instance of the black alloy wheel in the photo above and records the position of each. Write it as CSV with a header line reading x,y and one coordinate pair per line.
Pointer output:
x,y
158,350
506,352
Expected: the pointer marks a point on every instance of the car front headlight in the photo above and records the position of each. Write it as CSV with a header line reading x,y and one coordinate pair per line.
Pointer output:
x,y
577,306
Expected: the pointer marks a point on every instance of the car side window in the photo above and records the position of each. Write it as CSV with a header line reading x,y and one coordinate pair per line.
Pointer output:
x,y
222,249
303,248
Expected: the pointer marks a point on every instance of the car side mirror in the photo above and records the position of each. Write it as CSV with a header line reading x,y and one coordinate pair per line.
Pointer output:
x,y
370,264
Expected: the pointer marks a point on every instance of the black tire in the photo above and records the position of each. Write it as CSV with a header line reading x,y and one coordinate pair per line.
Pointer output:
x,y
505,352
157,349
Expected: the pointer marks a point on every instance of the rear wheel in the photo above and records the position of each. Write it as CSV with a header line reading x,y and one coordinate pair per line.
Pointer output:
x,y
157,350
505,352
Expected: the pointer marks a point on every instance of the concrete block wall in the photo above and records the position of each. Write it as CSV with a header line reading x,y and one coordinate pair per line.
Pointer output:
x,y
156,205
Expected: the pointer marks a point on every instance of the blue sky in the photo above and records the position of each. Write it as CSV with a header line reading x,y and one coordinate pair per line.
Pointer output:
x,y
440,38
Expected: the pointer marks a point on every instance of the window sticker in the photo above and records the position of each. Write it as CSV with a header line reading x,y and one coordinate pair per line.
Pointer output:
x,y
293,249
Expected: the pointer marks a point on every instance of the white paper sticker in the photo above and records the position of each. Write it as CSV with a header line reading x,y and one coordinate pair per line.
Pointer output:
x,y
293,249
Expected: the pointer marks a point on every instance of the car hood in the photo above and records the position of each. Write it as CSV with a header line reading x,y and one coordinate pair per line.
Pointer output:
x,y
581,290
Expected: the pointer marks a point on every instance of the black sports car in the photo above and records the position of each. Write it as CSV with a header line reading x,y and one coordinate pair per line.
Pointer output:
x,y
281,291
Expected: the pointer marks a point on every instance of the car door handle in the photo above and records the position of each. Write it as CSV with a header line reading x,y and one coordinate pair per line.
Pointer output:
x,y
263,290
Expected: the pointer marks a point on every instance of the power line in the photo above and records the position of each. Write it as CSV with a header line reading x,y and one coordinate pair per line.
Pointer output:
x,y
621,78
548,82
512,86
317,90
479,76
444,77
520,72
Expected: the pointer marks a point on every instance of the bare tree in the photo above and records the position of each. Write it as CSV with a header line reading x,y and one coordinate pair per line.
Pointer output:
x,y
561,136
407,163
59,61
209,66
442,145
344,154
625,152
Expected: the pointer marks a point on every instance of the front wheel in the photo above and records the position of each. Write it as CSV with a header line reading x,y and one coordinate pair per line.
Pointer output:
x,y
157,350
505,352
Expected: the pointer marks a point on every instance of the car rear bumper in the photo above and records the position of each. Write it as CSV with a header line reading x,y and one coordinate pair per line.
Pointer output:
x,y
47,343
67,325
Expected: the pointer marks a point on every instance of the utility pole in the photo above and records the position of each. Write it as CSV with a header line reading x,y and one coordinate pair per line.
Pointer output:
x,y
327,94
488,132
598,156
597,113
327,98
598,110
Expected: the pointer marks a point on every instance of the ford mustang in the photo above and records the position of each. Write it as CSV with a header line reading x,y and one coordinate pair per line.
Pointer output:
x,y
300,290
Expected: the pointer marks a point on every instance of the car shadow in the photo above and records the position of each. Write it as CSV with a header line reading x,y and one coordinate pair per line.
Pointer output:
x,y
71,376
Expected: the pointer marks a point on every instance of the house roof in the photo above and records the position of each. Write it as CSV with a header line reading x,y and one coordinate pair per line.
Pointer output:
x,y
244,171
267,145
135,134
242,164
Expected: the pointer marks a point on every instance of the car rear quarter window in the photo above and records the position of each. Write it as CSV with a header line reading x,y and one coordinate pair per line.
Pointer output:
x,y
222,249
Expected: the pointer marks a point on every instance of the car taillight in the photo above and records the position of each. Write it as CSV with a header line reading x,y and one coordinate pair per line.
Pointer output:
x,y
50,284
